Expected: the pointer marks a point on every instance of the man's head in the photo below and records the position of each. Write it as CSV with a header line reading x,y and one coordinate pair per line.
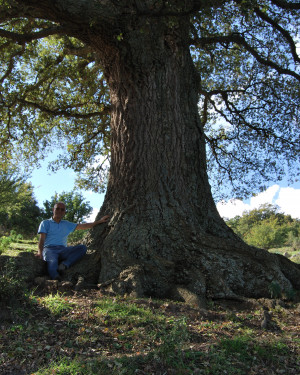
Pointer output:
x,y
59,211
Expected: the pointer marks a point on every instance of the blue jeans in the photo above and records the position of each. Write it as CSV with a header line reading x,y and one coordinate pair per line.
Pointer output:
x,y
66,255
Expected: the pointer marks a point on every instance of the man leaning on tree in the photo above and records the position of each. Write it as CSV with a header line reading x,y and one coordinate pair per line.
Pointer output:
x,y
52,245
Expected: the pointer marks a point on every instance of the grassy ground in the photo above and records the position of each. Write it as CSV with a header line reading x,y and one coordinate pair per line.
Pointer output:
x,y
46,331
292,254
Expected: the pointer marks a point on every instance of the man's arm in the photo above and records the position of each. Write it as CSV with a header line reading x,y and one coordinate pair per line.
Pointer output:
x,y
103,219
41,245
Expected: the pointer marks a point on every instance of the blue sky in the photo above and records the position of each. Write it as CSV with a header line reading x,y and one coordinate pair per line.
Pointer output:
x,y
46,184
286,197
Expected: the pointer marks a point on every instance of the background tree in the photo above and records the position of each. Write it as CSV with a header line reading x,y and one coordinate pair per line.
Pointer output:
x,y
266,227
77,209
18,208
182,75
10,180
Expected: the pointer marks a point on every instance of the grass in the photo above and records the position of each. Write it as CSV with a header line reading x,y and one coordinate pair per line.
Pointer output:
x,y
294,254
93,333
11,248
56,303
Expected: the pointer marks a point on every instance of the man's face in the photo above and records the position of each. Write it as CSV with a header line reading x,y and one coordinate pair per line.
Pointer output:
x,y
59,211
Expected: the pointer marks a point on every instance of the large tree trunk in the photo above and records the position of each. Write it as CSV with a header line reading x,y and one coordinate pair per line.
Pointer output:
x,y
165,237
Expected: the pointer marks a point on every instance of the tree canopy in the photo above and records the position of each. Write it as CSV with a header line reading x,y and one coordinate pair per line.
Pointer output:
x,y
53,93
266,227
18,207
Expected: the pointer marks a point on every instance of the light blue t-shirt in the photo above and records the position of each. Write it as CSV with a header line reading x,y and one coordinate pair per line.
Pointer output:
x,y
57,233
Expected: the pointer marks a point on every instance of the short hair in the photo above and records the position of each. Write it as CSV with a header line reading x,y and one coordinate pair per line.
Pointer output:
x,y
59,203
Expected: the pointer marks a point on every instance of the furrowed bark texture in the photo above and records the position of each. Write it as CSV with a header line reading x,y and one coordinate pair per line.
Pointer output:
x,y
165,237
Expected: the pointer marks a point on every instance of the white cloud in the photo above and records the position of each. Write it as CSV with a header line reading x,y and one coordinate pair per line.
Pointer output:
x,y
231,208
267,196
287,198
289,201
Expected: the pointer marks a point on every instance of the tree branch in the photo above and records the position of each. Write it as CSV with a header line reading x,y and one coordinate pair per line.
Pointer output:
x,y
11,64
156,8
25,38
285,4
239,40
284,32
64,112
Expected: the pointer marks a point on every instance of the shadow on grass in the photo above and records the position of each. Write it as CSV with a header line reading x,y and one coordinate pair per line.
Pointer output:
x,y
93,334
85,334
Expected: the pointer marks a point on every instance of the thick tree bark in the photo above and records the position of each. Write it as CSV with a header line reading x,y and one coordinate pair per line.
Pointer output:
x,y
165,237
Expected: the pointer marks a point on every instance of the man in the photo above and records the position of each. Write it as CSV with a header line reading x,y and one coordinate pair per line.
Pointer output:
x,y
53,241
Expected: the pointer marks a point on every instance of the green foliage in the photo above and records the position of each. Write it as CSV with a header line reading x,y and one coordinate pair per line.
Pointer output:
x,y
169,333
15,237
10,181
76,366
293,238
77,236
267,234
245,96
290,294
5,243
265,227
76,207
54,94
18,209
275,290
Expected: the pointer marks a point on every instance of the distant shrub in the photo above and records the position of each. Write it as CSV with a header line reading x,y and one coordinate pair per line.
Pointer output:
x,y
77,236
267,228
5,243
15,237
293,241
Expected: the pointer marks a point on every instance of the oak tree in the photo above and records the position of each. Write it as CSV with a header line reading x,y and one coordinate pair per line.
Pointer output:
x,y
166,90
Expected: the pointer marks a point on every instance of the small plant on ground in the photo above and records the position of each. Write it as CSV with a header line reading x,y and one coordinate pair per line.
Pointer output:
x,y
290,294
275,289
57,303
170,352
114,310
